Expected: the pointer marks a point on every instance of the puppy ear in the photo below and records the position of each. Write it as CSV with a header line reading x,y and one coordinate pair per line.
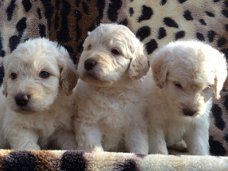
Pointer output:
x,y
220,76
68,79
68,75
159,66
4,85
139,65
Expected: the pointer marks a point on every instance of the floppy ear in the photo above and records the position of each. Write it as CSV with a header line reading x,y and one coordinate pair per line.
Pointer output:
x,y
159,66
68,79
4,85
139,65
68,74
220,77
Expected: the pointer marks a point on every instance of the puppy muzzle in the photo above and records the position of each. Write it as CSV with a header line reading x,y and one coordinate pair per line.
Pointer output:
x,y
90,64
22,99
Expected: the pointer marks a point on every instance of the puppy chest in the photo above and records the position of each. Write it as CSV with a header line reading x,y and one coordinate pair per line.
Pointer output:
x,y
111,111
45,127
116,113
175,132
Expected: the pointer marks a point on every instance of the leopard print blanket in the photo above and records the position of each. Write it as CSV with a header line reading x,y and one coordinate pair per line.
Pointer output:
x,y
155,23
103,161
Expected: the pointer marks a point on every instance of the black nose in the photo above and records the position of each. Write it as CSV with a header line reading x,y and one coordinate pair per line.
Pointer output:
x,y
90,64
21,99
189,112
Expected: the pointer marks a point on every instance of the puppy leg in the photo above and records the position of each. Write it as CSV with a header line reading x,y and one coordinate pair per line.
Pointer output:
x,y
113,140
136,140
157,144
2,140
22,139
197,141
88,137
64,140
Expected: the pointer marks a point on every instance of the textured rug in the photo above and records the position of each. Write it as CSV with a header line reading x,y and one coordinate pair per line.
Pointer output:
x,y
80,161
155,23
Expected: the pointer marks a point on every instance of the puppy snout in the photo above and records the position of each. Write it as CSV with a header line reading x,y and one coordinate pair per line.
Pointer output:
x,y
22,99
90,64
189,112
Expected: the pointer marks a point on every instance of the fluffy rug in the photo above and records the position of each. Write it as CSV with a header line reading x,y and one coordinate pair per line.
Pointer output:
x,y
80,161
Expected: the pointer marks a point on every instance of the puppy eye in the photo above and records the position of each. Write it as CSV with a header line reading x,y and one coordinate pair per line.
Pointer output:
x,y
89,47
209,87
13,75
178,85
115,51
44,74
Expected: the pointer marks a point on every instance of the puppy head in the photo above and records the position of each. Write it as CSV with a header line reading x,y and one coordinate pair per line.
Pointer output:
x,y
111,54
36,72
189,72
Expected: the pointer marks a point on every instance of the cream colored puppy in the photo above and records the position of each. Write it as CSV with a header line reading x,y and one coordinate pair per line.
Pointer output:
x,y
35,107
110,91
186,75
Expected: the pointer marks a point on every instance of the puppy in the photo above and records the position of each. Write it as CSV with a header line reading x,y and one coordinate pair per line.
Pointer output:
x,y
35,108
186,75
110,91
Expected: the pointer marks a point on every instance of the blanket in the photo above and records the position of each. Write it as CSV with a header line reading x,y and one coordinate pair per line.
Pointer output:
x,y
155,23
104,161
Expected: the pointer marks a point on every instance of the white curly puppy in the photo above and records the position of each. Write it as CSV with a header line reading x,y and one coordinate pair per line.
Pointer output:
x,y
35,108
110,92
186,74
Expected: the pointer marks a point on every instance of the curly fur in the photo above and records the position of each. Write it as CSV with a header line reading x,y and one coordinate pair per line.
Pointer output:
x,y
68,23
36,110
110,92
186,75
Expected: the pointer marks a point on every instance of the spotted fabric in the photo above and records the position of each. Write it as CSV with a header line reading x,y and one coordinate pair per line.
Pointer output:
x,y
103,161
155,23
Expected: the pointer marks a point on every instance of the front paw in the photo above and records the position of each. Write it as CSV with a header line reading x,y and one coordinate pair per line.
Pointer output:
x,y
159,150
157,146
26,146
199,150
98,149
90,147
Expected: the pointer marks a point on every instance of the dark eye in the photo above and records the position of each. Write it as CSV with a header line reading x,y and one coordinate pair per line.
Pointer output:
x,y
13,75
89,47
178,85
44,74
209,87
115,52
